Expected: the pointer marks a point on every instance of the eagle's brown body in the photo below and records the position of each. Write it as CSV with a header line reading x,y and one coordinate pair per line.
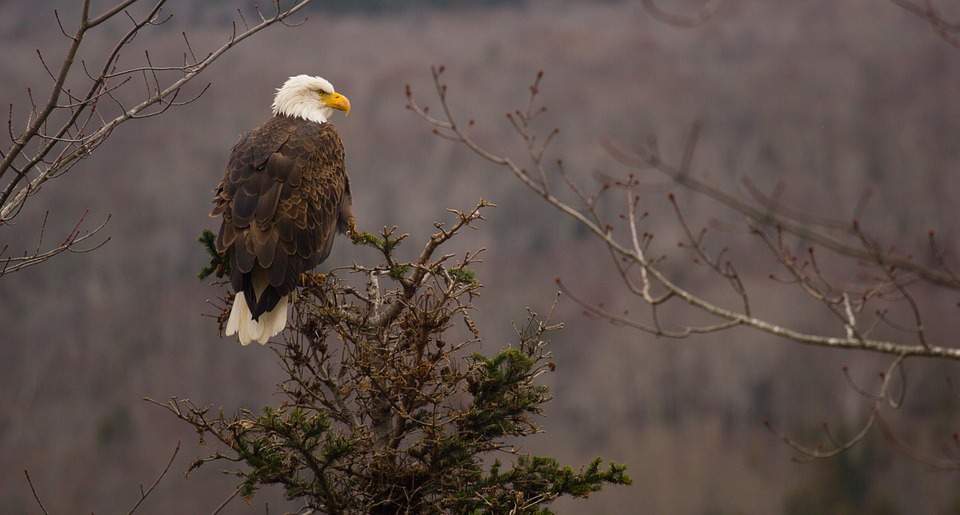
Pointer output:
x,y
283,198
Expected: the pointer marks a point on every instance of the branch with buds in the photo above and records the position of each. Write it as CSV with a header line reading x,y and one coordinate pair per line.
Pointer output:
x,y
886,285
632,254
70,123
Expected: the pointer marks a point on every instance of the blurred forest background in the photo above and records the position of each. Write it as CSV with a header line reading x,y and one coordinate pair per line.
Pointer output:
x,y
833,98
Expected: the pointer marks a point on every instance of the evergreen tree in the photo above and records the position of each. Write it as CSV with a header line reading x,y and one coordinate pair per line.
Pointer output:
x,y
384,409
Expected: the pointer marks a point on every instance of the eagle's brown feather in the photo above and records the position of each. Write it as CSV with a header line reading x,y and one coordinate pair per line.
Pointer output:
x,y
283,198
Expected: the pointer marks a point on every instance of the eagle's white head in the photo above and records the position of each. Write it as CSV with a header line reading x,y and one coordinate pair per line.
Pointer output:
x,y
309,98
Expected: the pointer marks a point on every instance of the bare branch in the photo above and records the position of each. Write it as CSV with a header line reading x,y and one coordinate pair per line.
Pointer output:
x,y
9,200
646,160
34,491
71,243
153,486
729,317
69,126
226,501
807,453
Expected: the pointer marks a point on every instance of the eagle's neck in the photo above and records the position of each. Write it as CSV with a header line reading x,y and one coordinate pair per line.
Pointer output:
x,y
303,105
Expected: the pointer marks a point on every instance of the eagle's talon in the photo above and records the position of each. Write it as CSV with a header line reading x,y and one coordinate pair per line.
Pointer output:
x,y
312,279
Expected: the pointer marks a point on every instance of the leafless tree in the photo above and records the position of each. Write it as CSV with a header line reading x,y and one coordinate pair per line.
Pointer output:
x,y
89,98
873,290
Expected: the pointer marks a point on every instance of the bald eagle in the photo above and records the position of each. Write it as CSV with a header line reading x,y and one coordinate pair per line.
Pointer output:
x,y
283,198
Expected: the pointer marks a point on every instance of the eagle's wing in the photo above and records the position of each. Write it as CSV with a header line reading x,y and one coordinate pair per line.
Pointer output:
x,y
282,199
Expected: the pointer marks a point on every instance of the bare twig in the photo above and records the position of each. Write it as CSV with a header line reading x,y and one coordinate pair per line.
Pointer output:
x,y
146,493
226,501
891,277
36,497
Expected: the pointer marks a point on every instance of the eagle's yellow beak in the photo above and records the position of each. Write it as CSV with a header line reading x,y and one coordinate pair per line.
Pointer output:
x,y
338,102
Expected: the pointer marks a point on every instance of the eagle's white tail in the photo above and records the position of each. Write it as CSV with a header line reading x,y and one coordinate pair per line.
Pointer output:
x,y
241,320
